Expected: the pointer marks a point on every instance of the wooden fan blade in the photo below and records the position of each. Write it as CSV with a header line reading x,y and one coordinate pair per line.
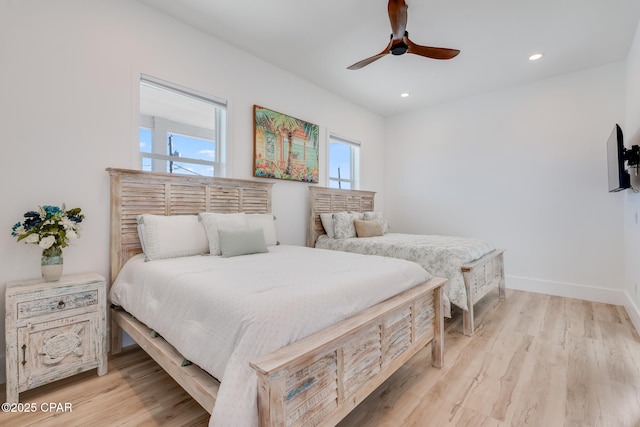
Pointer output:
x,y
369,60
431,52
398,17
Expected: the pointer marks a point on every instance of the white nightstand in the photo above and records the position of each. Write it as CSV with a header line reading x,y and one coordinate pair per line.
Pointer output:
x,y
54,330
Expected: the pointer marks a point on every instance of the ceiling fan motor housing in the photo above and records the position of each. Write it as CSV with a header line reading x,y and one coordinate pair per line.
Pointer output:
x,y
399,47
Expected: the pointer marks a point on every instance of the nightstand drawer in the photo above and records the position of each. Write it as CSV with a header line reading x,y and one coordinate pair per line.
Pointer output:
x,y
39,307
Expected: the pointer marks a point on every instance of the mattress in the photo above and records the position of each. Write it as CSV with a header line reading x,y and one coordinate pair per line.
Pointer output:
x,y
221,313
441,256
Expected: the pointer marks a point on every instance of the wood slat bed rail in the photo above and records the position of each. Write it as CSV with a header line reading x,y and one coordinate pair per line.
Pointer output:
x,y
199,384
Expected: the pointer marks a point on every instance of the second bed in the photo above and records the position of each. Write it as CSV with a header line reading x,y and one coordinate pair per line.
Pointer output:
x,y
473,266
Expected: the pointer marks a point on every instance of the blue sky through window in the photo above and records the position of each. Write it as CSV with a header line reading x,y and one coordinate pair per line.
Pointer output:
x,y
340,156
193,148
182,146
145,140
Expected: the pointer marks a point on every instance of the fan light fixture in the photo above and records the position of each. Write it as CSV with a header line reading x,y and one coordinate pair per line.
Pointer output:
x,y
535,57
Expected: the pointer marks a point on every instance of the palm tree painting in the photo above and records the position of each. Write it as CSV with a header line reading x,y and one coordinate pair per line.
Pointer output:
x,y
284,147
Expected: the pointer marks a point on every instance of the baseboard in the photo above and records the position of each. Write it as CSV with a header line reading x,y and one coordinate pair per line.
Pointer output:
x,y
568,290
583,292
632,311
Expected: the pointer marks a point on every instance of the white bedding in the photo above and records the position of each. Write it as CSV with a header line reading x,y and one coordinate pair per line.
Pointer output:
x,y
221,313
441,256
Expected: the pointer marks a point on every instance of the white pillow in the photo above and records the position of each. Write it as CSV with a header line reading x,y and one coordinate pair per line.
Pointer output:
x,y
380,217
327,224
343,225
268,225
171,236
214,221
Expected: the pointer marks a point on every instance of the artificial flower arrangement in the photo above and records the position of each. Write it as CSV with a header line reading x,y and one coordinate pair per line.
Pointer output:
x,y
50,227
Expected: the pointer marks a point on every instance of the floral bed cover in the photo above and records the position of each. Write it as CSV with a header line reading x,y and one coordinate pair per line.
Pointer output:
x,y
440,255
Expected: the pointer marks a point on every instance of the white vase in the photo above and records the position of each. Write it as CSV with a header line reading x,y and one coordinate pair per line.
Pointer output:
x,y
51,264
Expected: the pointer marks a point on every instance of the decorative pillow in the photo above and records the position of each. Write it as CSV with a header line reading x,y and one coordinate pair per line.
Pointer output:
x,y
213,222
327,224
266,222
241,242
380,218
141,234
368,227
343,224
171,236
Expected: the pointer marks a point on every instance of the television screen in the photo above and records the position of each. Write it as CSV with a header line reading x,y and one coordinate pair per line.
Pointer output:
x,y
619,178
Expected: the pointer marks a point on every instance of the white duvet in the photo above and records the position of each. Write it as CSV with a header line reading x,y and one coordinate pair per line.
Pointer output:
x,y
221,313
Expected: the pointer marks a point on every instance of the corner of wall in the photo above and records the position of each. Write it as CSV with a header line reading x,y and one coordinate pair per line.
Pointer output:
x,y
633,312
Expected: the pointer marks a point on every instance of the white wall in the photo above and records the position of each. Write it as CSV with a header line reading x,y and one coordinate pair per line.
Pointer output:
x,y
632,200
69,108
526,169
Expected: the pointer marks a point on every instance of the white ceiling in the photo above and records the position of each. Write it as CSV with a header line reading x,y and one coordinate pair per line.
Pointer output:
x,y
317,40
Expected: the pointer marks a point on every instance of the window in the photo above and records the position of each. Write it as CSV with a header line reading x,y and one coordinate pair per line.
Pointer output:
x,y
181,130
344,163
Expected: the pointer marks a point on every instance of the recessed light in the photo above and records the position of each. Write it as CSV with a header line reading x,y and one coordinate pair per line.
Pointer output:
x,y
404,95
535,57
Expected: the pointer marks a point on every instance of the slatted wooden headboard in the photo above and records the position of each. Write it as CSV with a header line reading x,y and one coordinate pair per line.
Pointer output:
x,y
330,200
136,192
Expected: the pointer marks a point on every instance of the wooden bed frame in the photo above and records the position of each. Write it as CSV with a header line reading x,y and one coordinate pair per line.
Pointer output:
x,y
315,381
480,276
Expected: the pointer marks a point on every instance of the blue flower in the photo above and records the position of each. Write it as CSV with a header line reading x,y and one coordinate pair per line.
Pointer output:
x,y
14,229
29,223
75,218
51,209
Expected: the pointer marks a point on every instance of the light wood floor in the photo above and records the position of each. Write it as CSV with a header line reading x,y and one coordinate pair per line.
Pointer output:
x,y
535,360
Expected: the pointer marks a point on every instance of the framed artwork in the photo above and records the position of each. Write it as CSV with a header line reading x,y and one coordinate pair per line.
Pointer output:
x,y
284,147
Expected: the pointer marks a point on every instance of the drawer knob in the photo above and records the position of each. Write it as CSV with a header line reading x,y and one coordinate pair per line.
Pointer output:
x,y
61,304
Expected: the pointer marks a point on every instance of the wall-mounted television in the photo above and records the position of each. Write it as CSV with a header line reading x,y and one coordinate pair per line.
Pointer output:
x,y
619,178
617,156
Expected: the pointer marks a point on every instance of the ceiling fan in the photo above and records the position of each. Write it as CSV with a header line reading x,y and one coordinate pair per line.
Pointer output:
x,y
400,42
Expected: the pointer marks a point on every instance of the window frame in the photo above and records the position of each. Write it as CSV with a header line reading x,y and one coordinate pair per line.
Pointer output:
x,y
354,157
161,128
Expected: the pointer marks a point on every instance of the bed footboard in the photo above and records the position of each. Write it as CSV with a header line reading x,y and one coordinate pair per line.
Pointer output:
x,y
480,277
320,379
